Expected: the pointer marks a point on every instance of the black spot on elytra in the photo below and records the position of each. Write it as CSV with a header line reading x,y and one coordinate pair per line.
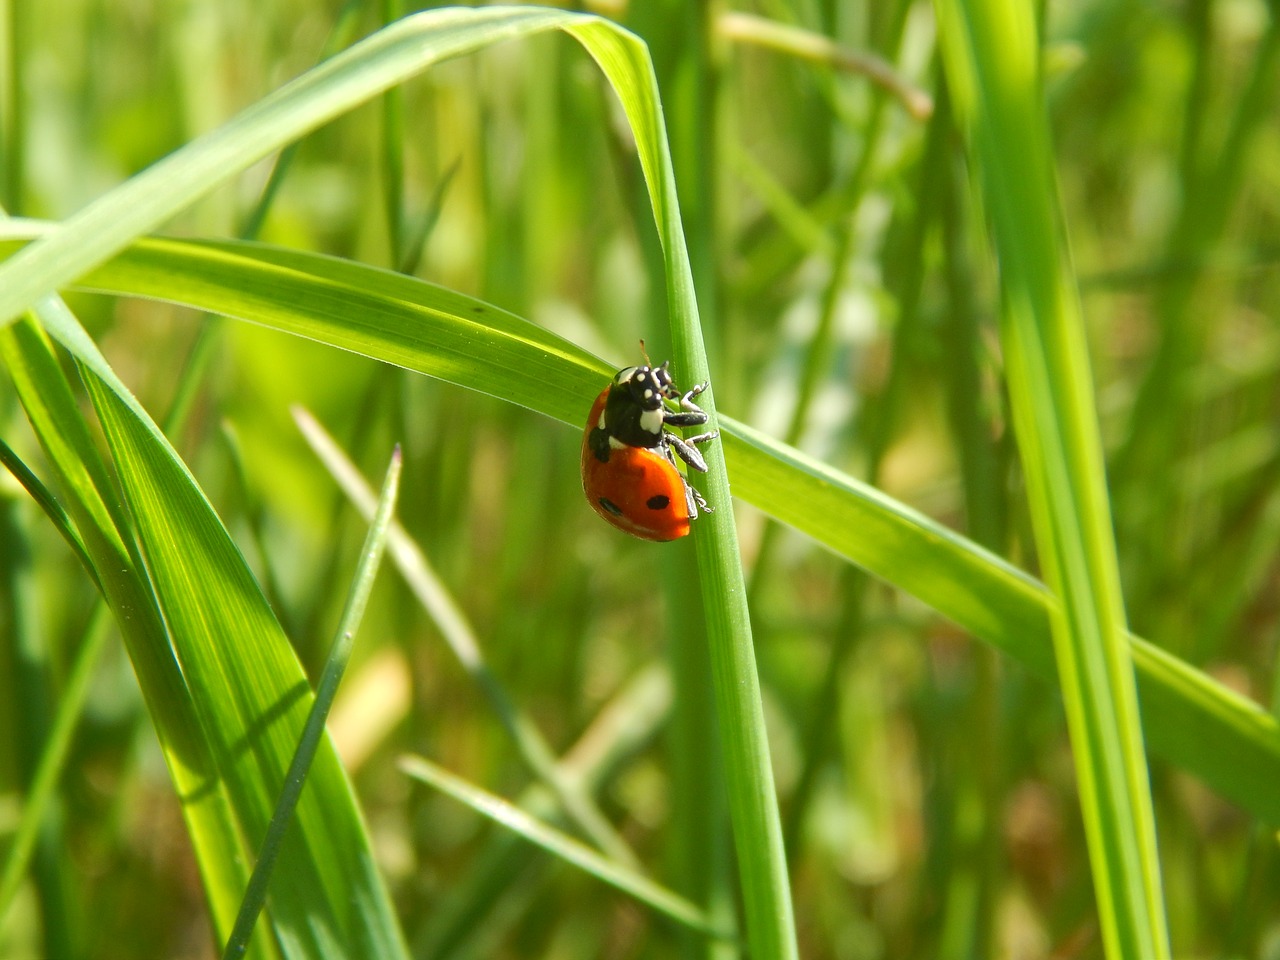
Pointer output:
x,y
611,506
660,502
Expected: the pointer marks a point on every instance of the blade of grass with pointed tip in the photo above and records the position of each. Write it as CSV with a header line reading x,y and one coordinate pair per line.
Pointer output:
x,y
1188,717
92,504
313,731
245,685
768,913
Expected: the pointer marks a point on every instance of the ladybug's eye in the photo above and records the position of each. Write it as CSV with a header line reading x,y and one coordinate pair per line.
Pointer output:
x,y
626,375
662,377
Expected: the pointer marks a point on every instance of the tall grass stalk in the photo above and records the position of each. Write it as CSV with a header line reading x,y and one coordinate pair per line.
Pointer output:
x,y
991,53
689,67
753,801
314,729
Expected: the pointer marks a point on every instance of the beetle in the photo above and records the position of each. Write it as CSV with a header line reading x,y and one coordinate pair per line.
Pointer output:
x,y
629,471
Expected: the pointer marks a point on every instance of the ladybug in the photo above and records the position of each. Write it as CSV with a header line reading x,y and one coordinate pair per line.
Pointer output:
x,y
629,456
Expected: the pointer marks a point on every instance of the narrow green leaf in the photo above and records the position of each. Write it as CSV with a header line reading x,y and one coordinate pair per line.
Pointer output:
x,y
991,52
92,504
313,731
769,915
246,687
1188,717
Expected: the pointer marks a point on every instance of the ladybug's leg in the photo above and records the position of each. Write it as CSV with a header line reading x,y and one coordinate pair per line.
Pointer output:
x,y
693,499
688,453
686,402
690,415
688,418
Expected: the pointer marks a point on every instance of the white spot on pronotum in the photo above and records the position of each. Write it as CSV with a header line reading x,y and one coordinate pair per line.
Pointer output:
x,y
651,421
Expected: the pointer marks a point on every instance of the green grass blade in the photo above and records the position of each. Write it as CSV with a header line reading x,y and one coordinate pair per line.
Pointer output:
x,y
753,801
991,54
1188,717
92,504
563,846
246,686
363,309
47,502
697,845
88,496
313,731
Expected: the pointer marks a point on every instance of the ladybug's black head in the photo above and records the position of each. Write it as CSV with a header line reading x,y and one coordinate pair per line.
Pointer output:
x,y
646,386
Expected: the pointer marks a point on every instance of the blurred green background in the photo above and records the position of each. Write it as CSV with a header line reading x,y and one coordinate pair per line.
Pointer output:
x,y
849,302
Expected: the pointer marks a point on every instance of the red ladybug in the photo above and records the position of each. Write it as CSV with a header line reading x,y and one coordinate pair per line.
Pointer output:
x,y
629,457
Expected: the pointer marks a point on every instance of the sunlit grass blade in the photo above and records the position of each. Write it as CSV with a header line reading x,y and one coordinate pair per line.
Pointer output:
x,y
48,503
768,912
457,633
991,53
313,731
366,310
93,505
243,683
563,846
1189,718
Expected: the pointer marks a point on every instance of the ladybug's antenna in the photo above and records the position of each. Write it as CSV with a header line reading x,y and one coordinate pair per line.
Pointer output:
x,y
644,353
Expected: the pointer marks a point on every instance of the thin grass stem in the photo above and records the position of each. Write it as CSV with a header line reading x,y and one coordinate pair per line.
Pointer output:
x,y
313,731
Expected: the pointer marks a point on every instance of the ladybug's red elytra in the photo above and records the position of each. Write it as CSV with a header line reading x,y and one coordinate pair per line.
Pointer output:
x,y
629,456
